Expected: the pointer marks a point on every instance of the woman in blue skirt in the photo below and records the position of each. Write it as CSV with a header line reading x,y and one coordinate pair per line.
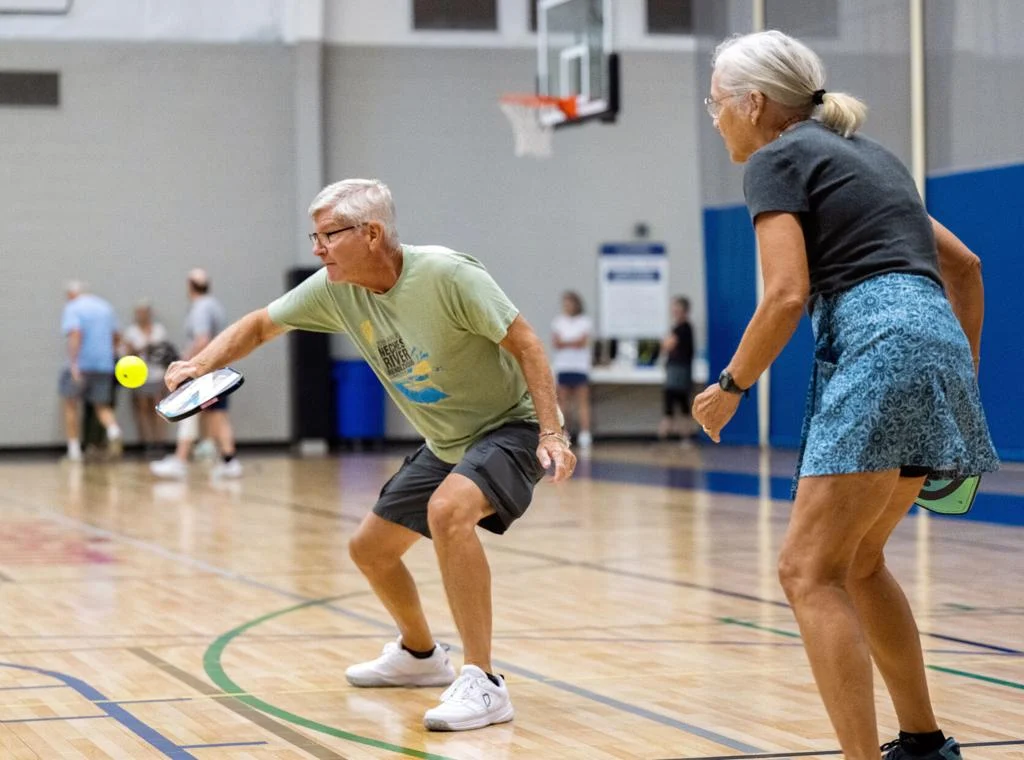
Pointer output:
x,y
896,304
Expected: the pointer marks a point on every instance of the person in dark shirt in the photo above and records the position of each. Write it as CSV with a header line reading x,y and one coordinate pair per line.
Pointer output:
x,y
678,348
896,306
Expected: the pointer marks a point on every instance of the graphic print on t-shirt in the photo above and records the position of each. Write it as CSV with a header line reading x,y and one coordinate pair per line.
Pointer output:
x,y
409,369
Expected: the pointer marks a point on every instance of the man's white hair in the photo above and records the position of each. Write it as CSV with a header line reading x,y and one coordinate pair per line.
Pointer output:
x,y
357,201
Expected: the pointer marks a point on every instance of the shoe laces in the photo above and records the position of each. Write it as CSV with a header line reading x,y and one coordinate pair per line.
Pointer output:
x,y
888,746
462,690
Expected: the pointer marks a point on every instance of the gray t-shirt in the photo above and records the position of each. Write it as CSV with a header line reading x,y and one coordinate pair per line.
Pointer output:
x,y
205,317
859,208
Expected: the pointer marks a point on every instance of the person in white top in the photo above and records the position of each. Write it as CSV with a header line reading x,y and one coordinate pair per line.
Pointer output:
x,y
148,339
571,331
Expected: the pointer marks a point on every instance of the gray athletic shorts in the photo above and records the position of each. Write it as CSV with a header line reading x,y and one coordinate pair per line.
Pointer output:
x,y
95,387
503,464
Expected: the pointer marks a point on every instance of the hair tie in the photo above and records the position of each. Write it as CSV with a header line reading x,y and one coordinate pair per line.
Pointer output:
x,y
818,97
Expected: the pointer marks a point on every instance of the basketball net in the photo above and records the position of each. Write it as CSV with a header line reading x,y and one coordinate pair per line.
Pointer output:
x,y
533,118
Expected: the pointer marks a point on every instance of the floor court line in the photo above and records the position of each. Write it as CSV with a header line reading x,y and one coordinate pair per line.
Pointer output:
x,y
140,728
717,591
564,685
215,671
285,733
508,666
52,717
938,668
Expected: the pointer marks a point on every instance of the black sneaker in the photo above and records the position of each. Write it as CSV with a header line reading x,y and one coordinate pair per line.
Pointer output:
x,y
949,751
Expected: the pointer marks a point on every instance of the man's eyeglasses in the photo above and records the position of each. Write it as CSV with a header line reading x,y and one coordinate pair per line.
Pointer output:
x,y
715,106
323,238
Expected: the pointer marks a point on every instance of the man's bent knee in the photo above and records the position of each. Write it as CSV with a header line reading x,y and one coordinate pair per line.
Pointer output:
x,y
369,549
448,517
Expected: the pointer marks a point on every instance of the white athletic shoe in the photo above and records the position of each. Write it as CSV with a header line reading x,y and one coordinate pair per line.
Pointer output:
x,y
205,449
169,468
473,701
396,667
232,469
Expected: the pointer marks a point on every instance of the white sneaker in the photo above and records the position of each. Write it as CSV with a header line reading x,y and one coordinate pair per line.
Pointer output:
x,y
232,469
396,667
473,701
169,468
205,449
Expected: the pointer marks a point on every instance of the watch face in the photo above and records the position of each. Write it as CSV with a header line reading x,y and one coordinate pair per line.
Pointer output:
x,y
723,381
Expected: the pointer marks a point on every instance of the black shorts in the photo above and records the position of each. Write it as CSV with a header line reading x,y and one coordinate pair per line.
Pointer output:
x,y
573,379
220,405
676,397
503,464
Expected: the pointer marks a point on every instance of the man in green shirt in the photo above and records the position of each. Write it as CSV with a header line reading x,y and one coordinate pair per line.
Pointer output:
x,y
472,377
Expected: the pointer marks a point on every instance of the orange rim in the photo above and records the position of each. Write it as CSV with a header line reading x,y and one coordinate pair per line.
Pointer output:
x,y
566,105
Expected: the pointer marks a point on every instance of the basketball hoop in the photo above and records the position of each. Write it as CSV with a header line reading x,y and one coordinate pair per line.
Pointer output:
x,y
533,119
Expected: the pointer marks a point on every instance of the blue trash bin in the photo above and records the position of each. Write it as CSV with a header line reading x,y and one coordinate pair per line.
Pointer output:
x,y
360,400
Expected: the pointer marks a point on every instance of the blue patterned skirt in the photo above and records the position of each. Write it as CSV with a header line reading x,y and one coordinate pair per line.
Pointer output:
x,y
893,384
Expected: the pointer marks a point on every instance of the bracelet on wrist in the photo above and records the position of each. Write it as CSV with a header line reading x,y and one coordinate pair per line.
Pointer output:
x,y
556,434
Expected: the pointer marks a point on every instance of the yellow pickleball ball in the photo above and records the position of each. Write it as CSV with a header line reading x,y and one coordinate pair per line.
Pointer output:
x,y
130,371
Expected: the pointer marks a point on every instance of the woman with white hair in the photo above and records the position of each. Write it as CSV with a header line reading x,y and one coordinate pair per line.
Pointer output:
x,y
896,305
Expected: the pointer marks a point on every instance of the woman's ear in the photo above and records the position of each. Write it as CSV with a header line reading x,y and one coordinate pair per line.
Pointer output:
x,y
757,105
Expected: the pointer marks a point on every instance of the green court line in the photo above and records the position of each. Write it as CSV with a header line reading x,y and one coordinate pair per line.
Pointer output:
x,y
745,624
215,670
977,676
939,668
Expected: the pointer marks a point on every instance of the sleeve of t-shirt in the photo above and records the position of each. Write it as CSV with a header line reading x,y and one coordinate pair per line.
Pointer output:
x,y
307,306
773,182
69,320
478,304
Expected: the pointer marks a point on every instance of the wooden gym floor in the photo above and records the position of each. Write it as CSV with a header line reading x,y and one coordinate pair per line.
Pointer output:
x,y
637,615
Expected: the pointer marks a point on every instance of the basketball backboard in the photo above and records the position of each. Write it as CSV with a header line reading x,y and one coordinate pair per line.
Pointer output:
x,y
575,58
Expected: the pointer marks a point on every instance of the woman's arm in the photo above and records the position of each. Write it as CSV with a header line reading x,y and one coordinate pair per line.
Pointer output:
x,y
961,274
787,284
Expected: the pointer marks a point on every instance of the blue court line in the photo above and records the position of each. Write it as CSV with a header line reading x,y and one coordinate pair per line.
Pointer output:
x,y
144,731
223,744
1001,508
993,647
41,686
53,717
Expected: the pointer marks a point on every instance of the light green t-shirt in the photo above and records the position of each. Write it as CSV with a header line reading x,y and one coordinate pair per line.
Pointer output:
x,y
432,340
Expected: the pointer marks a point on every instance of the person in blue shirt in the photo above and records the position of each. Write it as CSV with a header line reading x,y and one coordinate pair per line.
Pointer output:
x,y
89,325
